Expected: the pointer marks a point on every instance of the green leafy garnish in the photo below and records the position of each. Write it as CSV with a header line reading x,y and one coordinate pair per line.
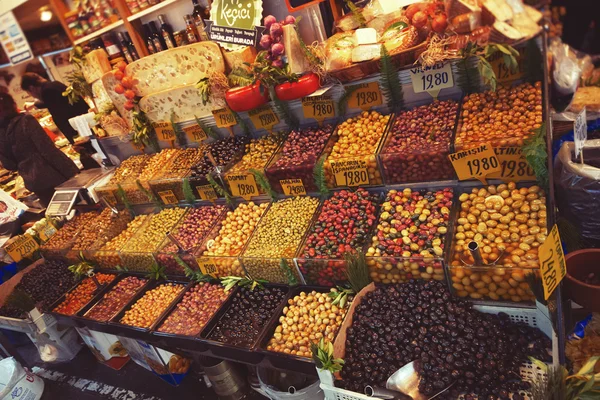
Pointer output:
x,y
390,81
287,272
220,190
230,281
536,153
157,272
319,176
340,296
322,354
151,198
264,183
357,16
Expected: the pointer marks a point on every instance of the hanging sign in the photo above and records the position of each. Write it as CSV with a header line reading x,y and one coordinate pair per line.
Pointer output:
x,y
235,23
350,172
195,133
503,71
224,118
580,128
476,163
293,187
366,96
207,266
13,40
168,197
243,185
164,131
514,166
206,192
432,79
318,107
552,262
263,118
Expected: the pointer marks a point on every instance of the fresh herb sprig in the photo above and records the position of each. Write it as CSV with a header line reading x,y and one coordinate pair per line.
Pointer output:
x,y
322,354
229,282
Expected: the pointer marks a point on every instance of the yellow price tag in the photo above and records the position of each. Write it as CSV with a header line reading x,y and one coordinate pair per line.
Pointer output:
x,y
206,192
503,71
164,131
293,187
46,231
207,266
21,247
168,197
366,96
243,185
224,118
318,107
263,118
475,163
195,133
514,166
552,262
350,172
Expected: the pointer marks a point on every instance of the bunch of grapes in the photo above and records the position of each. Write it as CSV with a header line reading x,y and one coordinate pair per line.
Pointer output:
x,y
272,42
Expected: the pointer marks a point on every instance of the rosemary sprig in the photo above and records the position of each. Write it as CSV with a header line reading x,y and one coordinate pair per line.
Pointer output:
x,y
123,197
207,129
284,109
121,269
240,121
535,152
240,77
157,272
230,281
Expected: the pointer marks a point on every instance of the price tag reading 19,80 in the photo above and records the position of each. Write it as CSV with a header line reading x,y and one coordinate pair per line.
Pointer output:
x,y
243,185
552,262
432,79
206,192
164,131
318,107
475,163
350,172
207,266
195,133
21,247
224,118
503,71
168,197
292,187
263,117
367,95
514,166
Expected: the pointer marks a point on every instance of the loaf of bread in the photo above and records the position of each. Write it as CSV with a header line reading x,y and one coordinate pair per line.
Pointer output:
x,y
183,65
96,65
183,102
109,82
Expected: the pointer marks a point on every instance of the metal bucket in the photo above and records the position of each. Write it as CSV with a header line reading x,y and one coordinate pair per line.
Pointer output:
x,y
227,381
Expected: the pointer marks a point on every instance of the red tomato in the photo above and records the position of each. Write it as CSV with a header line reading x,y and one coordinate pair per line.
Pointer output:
x,y
247,97
130,94
119,89
127,82
119,74
305,85
121,65
129,105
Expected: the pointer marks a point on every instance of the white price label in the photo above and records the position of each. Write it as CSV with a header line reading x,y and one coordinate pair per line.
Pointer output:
x,y
432,79
580,128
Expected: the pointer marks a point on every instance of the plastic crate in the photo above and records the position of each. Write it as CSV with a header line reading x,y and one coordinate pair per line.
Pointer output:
x,y
529,372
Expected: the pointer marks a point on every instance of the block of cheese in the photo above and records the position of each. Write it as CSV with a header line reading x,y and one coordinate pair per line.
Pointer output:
x,y
175,67
96,65
183,102
109,82
366,52
496,10
237,58
101,98
296,59
365,36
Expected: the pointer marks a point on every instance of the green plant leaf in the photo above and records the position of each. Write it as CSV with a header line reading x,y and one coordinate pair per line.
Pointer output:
x,y
357,270
220,190
535,151
319,176
390,81
540,364
283,109
240,77
151,198
263,182
588,367
287,272
179,133
207,129
188,192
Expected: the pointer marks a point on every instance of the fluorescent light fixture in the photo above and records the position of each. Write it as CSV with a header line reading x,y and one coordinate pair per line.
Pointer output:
x,y
46,15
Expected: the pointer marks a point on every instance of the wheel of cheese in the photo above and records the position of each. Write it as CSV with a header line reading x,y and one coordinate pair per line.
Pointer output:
x,y
96,65
109,82
175,67
183,103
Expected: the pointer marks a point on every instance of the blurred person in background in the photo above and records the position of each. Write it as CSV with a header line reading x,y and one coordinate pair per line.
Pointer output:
x,y
25,148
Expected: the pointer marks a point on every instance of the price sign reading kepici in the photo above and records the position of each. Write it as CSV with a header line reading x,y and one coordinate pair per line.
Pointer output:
x,y
367,95
206,192
432,79
164,131
475,163
552,262
195,133
514,166
207,266
243,185
263,118
293,187
21,247
350,172
318,107
224,118
168,197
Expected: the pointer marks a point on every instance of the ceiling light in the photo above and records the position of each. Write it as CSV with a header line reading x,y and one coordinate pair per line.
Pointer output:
x,y
46,15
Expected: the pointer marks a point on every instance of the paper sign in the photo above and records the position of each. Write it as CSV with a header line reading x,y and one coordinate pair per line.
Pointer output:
x,y
263,118
350,172
164,131
580,128
366,96
243,185
13,40
195,133
293,187
476,163
514,166
206,192
224,118
207,266
552,262
318,107
168,197
21,247
503,71
46,231
432,79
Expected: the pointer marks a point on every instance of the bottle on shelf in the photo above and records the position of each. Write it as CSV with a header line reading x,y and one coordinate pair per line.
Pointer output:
x,y
91,16
159,43
131,47
124,47
112,48
148,38
200,13
190,29
133,6
166,31
83,20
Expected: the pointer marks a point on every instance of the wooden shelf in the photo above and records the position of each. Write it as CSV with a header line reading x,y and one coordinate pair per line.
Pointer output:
x,y
150,10
99,32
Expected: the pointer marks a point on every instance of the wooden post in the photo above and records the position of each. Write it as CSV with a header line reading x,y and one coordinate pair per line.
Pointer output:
x,y
60,9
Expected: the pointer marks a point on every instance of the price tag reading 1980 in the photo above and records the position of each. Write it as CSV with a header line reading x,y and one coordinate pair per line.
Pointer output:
x,y
21,247
432,79
195,133
367,95
292,187
263,117
224,118
552,262
318,107
503,71
475,163
514,166
207,266
243,185
206,192
350,172
164,131
168,197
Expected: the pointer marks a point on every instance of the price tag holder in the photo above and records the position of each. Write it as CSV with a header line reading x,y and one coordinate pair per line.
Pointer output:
x,y
46,231
164,131
580,128
366,96
293,187
552,262
476,163
207,266
514,166
168,197
432,79
206,192
318,107
195,133
503,71
224,118
263,118
243,185
21,247
350,172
